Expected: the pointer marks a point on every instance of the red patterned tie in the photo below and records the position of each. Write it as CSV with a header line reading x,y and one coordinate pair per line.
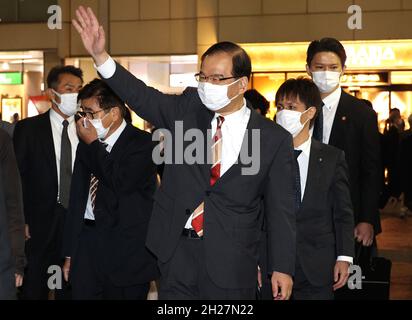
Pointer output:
x,y
197,219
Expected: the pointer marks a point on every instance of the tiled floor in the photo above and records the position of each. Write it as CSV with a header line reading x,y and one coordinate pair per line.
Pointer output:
x,y
395,243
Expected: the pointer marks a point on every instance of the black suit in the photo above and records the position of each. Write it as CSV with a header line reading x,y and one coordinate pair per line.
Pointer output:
x,y
232,219
123,207
34,147
324,226
12,259
324,223
8,127
355,131
406,171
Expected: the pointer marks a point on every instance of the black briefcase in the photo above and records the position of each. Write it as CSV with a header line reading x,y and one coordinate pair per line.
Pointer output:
x,y
375,278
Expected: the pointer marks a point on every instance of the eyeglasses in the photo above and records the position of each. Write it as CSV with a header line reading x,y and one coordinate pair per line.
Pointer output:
x,y
90,115
200,77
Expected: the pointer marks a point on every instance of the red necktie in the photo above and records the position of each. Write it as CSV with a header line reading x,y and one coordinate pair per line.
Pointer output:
x,y
197,219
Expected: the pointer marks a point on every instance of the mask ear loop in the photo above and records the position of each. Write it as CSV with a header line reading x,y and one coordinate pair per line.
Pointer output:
x,y
231,99
304,124
105,117
57,94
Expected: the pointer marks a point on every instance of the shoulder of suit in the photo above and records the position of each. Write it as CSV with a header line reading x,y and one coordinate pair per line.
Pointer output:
x,y
191,94
357,105
32,121
137,134
328,149
190,91
4,136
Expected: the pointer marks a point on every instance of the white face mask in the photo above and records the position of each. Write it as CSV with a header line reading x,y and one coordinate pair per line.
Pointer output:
x,y
290,120
100,129
326,81
214,96
68,103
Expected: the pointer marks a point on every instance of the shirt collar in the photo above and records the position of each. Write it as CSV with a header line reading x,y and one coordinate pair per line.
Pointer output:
x,y
235,116
111,140
332,100
54,116
305,147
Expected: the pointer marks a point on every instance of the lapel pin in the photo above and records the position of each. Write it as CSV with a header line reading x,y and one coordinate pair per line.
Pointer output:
x,y
320,159
344,118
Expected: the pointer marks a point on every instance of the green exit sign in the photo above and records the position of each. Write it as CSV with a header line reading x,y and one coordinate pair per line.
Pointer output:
x,y
11,78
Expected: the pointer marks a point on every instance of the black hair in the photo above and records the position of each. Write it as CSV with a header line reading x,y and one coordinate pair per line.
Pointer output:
x,y
257,101
128,116
242,66
326,45
393,110
304,89
105,96
54,75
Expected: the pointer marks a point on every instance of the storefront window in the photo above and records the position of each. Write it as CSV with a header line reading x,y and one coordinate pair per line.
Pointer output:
x,y
379,71
267,84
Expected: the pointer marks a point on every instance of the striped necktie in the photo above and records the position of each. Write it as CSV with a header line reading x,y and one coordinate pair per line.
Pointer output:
x,y
197,219
94,183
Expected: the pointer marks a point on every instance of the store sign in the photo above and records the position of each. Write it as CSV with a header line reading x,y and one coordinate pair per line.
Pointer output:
x,y
387,55
370,56
365,78
11,78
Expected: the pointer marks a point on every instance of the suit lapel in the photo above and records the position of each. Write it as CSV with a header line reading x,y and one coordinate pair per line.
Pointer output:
x,y
204,123
314,170
339,123
46,140
121,143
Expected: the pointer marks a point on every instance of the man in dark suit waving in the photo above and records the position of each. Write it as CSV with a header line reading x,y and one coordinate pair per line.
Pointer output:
x,y
206,221
110,202
346,123
324,217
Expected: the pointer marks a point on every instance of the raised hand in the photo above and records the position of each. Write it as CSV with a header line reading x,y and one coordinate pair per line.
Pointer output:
x,y
91,33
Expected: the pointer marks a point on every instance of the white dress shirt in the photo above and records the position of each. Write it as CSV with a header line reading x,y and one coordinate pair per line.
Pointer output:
x,y
110,141
56,121
233,131
329,111
303,161
107,69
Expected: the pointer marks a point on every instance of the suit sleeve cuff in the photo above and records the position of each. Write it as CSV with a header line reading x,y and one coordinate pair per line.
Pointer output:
x,y
107,69
345,258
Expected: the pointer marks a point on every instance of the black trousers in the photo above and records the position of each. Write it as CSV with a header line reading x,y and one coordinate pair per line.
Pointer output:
x,y
42,255
304,290
7,284
184,277
88,276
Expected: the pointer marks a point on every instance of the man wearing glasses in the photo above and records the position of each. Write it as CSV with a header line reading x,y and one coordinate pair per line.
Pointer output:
x,y
111,201
207,217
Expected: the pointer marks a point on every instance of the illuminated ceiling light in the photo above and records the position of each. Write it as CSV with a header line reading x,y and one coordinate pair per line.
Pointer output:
x,y
5,66
15,56
39,61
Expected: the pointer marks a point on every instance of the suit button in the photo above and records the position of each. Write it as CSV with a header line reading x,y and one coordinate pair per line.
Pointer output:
x,y
207,193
